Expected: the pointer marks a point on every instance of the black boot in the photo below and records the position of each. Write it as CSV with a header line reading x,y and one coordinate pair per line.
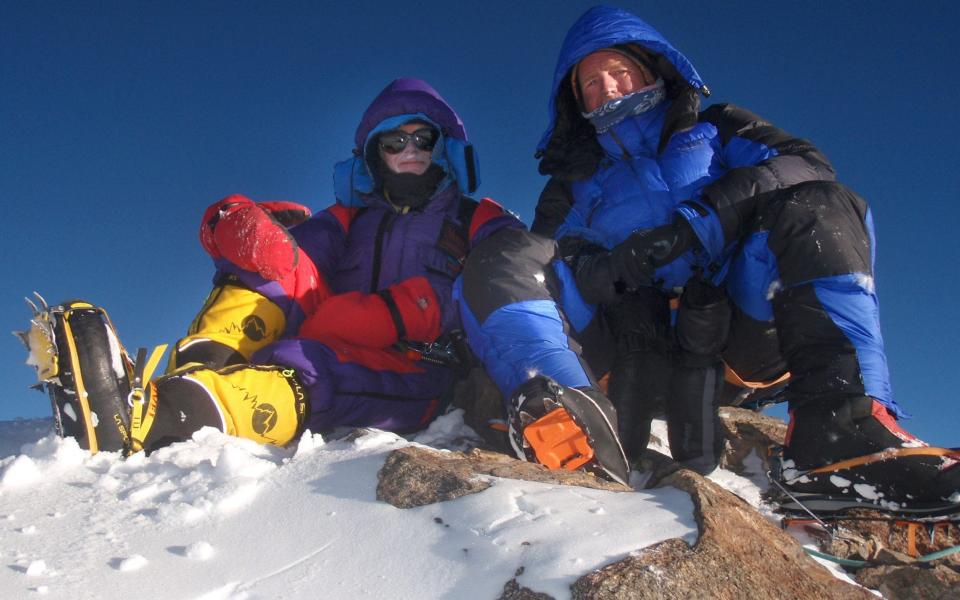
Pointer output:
x,y
566,428
853,447
84,369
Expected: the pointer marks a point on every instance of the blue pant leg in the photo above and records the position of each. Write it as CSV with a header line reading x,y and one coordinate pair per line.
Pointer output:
x,y
509,312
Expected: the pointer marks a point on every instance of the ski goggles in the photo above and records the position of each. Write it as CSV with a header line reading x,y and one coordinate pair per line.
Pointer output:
x,y
393,142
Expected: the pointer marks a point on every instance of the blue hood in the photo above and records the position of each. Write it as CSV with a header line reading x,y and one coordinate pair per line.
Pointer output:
x,y
602,27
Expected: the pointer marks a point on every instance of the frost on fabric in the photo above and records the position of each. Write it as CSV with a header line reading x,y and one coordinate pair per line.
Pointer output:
x,y
866,282
774,287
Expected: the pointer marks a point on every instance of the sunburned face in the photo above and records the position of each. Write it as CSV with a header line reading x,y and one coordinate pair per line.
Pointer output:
x,y
411,159
605,75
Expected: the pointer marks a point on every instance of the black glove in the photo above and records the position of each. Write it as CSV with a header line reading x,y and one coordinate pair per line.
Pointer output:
x,y
636,258
602,276
593,271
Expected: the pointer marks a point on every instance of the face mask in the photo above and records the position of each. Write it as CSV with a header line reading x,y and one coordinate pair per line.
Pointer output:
x,y
614,111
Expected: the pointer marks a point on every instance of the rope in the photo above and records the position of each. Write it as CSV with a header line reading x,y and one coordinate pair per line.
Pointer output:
x,y
939,554
847,562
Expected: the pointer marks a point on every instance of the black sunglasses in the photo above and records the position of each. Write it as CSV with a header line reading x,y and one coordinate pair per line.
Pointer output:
x,y
393,142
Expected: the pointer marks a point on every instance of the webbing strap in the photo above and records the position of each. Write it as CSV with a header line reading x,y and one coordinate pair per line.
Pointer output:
x,y
886,455
141,418
79,385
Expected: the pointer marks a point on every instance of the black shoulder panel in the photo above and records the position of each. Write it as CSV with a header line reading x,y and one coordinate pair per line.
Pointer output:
x,y
554,204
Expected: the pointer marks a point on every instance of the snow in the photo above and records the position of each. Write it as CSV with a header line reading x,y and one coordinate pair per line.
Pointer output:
x,y
223,518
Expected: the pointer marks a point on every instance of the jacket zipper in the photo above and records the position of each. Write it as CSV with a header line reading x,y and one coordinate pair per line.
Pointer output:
x,y
377,249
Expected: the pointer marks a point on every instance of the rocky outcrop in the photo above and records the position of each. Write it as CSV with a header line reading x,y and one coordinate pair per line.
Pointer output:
x,y
904,582
890,545
417,476
748,433
738,553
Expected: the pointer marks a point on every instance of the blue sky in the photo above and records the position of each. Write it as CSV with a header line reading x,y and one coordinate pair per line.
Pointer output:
x,y
121,121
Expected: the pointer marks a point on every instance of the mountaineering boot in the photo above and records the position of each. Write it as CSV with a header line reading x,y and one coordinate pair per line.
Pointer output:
x,y
264,404
80,363
638,391
853,448
566,428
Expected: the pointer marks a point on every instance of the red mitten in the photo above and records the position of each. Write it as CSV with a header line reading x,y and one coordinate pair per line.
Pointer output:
x,y
418,308
356,318
408,310
287,213
247,235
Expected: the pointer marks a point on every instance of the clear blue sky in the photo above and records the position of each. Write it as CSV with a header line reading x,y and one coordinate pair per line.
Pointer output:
x,y
121,121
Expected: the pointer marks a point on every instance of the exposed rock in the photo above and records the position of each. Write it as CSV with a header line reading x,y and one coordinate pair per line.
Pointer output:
x,y
907,583
893,535
894,570
749,432
514,591
416,476
739,555
739,552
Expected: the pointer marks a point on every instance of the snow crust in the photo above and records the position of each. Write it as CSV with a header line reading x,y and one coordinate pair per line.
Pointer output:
x,y
225,518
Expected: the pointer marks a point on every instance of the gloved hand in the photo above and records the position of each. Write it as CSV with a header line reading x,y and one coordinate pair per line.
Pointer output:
x,y
603,276
250,236
408,310
636,258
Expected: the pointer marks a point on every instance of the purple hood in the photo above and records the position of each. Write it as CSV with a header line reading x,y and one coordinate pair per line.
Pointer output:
x,y
402,100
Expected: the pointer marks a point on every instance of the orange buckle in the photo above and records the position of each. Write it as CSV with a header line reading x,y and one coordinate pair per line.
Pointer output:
x,y
558,442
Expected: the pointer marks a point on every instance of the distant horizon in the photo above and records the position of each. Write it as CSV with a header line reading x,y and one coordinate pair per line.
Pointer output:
x,y
122,121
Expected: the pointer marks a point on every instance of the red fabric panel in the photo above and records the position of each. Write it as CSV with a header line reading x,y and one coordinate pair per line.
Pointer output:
x,y
306,285
378,359
486,210
344,215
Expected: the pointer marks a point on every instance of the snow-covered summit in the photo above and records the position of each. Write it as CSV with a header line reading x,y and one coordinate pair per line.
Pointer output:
x,y
222,517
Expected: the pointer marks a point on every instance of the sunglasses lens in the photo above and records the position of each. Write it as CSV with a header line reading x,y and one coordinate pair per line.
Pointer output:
x,y
425,138
394,142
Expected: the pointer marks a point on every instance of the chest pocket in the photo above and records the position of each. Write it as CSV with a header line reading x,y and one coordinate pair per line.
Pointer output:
x,y
446,256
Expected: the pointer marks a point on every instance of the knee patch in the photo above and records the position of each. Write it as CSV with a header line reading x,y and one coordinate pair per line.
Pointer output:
x,y
264,404
234,323
819,229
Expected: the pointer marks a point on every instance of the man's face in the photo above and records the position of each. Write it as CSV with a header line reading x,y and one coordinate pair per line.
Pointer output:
x,y
411,159
605,75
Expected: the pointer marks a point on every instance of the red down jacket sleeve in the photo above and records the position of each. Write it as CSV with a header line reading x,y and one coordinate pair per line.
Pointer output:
x,y
408,310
